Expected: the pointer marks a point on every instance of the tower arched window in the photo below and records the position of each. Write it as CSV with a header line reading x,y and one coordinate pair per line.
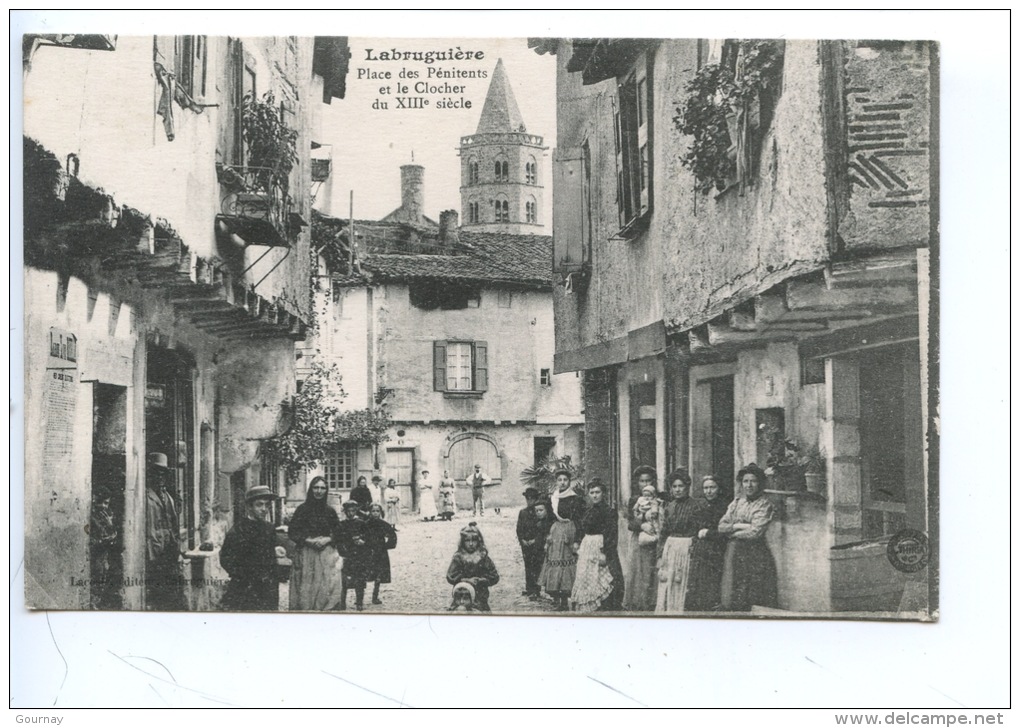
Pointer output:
x,y
501,209
502,170
531,210
531,172
473,172
472,211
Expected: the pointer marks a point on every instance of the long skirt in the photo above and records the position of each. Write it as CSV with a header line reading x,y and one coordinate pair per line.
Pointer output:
x,y
642,578
428,503
705,576
593,582
393,512
315,581
749,576
674,570
447,502
560,561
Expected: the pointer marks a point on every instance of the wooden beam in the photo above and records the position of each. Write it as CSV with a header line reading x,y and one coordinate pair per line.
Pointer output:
x,y
699,341
898,266
742,319
769,306
814,295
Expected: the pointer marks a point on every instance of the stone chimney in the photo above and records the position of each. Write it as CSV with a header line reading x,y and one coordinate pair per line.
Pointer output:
x,y
449,230
412,193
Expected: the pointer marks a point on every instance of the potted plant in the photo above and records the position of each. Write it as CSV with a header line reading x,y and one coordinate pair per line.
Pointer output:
x,y
814,472
541,476
270,145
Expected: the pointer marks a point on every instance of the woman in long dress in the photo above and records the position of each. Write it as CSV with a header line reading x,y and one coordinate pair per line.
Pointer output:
x,y
426,498
447,497
682,519
644,524
392,500
707,551
315,580
563,541
749,571
598,583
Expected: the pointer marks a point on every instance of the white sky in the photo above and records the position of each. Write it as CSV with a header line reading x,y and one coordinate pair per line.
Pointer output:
x,y
369,146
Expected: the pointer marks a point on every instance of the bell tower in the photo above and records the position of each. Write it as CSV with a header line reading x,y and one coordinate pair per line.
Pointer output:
x,y
501,167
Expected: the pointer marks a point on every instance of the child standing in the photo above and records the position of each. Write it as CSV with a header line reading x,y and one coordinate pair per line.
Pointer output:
x,y
533,524
352,543
472,564
380,537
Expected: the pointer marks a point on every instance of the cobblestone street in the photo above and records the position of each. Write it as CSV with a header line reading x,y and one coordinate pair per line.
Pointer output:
x,y
422,556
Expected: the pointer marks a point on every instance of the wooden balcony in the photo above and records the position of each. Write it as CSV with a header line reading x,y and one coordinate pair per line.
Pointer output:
x,y
79,230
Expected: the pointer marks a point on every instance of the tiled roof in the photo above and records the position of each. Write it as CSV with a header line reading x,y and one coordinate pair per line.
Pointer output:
x,y
521,260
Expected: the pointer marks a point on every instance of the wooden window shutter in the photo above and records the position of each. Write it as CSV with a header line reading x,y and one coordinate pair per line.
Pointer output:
x,y
480,363
568,245
439,366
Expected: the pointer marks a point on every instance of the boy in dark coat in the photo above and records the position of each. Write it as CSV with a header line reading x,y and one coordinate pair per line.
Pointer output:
x,y
249,556
352,543
533,524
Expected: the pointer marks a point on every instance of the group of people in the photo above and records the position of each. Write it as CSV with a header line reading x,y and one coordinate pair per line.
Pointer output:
x,y
427,507
331,557
686,554
569,547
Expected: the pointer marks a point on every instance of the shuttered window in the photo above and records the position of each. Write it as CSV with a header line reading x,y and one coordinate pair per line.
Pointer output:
x,y
460,366
633,144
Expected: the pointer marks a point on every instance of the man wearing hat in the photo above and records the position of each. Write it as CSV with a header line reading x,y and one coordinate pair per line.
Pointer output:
x,y
162,539
478,479
531,532
249,555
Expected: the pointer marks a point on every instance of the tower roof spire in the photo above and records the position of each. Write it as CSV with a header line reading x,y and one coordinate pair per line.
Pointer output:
x,y
500,113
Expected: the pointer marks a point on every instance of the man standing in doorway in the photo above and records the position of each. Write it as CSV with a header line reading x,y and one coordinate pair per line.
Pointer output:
x,y
162,539
478,479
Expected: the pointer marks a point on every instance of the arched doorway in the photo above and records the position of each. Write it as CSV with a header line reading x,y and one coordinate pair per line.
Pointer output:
x,y
471,448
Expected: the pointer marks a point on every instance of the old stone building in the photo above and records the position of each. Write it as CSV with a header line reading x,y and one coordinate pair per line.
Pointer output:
x,y
779,292
452,331
167,206
450,328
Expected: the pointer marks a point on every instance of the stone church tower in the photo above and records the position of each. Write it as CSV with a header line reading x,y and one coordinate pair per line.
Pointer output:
x,y
501,167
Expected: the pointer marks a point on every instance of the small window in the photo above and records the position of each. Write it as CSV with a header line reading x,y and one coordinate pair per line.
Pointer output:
x,y
460,366
531,172
501,170
531,211
473,172
501,210
472,212
190,60
505,298
447,297
339,468
633,142
545,377
812,371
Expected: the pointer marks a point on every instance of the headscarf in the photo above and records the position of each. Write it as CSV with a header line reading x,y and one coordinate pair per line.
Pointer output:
x,y
308,495
464,586
557,494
